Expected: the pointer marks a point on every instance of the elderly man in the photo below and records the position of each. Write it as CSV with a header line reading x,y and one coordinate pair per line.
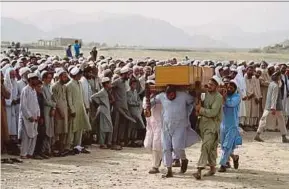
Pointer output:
x,y
273,109
176,132
211,117
253,94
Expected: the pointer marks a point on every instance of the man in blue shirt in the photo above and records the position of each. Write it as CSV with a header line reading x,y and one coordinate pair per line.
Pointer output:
x,y
68,51
77,47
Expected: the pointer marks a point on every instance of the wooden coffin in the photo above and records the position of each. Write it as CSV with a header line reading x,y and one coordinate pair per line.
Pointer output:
x,y
182,75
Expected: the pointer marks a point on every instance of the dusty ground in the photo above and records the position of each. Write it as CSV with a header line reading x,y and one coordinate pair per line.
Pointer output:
x,y
262,165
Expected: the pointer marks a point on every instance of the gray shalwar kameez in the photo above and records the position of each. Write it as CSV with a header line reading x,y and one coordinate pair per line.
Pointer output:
x,y
102,100
121,113
49,104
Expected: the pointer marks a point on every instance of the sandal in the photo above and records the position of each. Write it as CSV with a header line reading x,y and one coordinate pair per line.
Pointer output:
x,y
16,160
103,147
197,176
209,173
7,161
115,147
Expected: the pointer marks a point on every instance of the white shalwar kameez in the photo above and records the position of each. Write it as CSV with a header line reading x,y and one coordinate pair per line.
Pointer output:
x,y
29,107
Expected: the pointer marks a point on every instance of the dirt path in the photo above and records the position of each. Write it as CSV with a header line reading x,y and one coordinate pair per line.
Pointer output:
x,y
262,165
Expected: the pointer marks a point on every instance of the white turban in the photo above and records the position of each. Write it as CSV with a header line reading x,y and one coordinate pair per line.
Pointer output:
x,y
24,70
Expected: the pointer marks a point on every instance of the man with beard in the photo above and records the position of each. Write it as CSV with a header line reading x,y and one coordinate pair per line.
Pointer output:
x,y
87,93
78,118
253,94
267,71
29,116
49,112
136,76
273,109
96,85
61,113
121,115
147,72
211,117
258,79
93,54
284,91
176,133
229,133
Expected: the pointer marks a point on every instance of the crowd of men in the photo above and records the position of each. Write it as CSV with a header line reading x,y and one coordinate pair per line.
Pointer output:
x,y
57,107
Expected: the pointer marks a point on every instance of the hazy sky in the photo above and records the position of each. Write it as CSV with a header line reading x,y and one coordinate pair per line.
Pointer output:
x,y
254,17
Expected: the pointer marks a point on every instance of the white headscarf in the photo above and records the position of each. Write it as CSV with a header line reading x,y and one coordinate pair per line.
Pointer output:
x,y
11,85
135,68
217,71
240,80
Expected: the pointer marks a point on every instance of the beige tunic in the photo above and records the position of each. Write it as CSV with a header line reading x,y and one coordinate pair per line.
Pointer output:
x,y
76,105
258,95
252,108
264,81
61,114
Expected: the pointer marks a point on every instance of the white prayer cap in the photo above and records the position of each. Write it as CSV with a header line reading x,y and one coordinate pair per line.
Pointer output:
x,y
151,77
203,63
70,68
270,65
42,74
42,67
59,71
241,62
225,68
20,60
151,81
217,79
75,71
117,71
195,63
235,82
124,70
55,62
258,69
226,63
5,68
241,67
31,75
24,70
41,61
105,79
